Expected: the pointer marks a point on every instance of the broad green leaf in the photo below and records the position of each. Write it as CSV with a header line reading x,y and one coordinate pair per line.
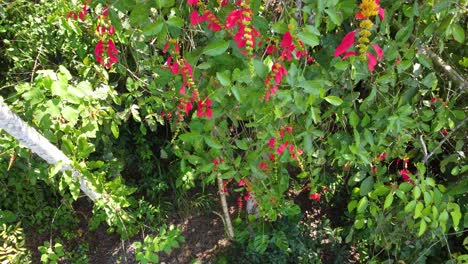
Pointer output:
x,y
213,143
334,100
422,227
367,185
353,119
418,209
455,213
154,28
216,48
416,192
308,38
458,33
388,200
362,205
410,206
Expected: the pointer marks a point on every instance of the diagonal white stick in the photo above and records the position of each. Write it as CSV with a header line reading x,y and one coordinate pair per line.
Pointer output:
x,y
38,144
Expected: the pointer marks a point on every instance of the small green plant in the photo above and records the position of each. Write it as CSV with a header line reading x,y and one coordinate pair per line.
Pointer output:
x,y
167,240
12,245
51,254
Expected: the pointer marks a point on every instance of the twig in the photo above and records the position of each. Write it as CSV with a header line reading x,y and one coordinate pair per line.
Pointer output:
x,y
427,157
227,218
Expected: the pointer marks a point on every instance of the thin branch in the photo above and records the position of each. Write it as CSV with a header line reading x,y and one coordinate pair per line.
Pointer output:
x,y
227,218
427,157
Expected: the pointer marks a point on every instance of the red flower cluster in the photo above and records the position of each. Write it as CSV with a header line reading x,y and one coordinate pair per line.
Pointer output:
x,y
246,34
382,156
348,41
216,162
81,14
294,152
105,42
213,22
204,108
278,71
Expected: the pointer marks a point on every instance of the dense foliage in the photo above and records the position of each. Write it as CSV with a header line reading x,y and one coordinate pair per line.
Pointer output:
x,y
357,107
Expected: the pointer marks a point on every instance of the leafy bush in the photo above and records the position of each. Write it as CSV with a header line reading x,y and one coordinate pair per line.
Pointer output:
x,y
349,101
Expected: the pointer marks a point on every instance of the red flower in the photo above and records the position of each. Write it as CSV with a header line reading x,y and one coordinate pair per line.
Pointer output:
x,y
287,46
204,108
345,44
263,166
271,142
382,156
105,12
378,51
195,18
82,15
371,61
270,49
72,15
281,148
374,170
241,182
111,52
272,157
433,99
111,30
444,132
279,72
239,202
192,2
404,174
101,30
315,196
98,51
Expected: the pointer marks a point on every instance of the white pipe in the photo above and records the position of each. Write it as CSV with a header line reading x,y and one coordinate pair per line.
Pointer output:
x,y
38,144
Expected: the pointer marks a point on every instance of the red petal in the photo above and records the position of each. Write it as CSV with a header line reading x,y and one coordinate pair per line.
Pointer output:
x,y
194,17
371,62
381,13
345,44
287,40
348,54
378,50
360,16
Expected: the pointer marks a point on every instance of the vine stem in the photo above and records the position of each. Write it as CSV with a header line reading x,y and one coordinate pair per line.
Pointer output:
x,y
428,156
227,218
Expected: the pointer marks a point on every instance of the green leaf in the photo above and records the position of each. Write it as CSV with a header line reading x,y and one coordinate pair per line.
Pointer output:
x,y
216,48
352,205
224,78
416,192
261,243
139,15
418,210
404,186
455,213
422,227
213,143
334,100
410,206
153,29
458,33
367,185
335,17
164,3
362,205
388,200
114,129
281,240
353,119
308,38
